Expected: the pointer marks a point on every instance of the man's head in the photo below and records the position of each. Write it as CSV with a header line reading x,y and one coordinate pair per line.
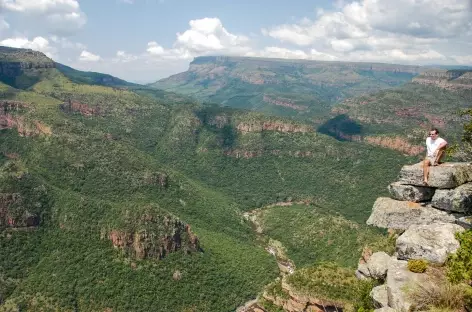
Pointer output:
x,y
433,133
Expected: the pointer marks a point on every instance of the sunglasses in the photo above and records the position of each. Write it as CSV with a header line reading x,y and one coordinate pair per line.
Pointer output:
x,y
432,134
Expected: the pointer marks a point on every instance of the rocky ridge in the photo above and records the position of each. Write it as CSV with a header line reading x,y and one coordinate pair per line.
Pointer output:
x,y
428,216
446,79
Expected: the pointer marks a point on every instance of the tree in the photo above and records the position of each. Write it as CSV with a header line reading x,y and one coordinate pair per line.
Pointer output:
x,y
463,151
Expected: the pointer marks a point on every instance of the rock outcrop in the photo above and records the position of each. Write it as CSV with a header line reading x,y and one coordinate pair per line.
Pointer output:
x,y
410,193
394,214
10,117
432,242
278,101
376,266
13,214
379,295
272,126
446,79
155,238
430,217
457,200
399,281
444,176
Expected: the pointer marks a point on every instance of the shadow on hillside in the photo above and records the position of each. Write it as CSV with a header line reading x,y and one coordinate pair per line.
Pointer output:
x,y
341,128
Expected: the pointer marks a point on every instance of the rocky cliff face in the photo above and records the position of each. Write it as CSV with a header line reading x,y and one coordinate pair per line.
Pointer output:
x,y
278,101
449,80
244,127
84,109
10,117
13,214
155,237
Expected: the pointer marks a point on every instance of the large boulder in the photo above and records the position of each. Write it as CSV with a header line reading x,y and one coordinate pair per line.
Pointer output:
x,y
399,281
458,199
379,296
393,214
432,242
444,176
376,266
400,191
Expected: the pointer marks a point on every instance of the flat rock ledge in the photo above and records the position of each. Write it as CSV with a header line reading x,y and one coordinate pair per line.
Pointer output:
x,y
432,242
444,176
457,200
394,214
406,192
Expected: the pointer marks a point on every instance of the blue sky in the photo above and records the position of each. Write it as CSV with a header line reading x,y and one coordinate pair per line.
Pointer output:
x,y
145,40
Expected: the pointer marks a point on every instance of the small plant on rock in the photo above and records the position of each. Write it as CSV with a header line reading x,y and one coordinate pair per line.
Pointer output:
x,y
417,265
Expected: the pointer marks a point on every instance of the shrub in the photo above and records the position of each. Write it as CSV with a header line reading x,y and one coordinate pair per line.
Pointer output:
x,y
439,295
459,265
417,265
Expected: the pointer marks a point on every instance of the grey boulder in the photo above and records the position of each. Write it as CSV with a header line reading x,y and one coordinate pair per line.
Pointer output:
x,y
393,214
411,193
432,242
376,266
444,176
379,296
457,200
399,281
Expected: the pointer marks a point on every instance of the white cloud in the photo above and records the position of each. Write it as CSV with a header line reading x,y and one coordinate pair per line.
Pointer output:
x,y
205,36
123,57
65,43
208,35
382,30
86,56
38,43
464,59
59,16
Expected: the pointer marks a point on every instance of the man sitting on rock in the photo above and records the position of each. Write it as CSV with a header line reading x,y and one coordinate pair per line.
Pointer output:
x,y
435,147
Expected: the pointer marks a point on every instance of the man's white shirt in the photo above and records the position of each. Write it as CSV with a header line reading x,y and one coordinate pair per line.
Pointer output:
x,y
432,145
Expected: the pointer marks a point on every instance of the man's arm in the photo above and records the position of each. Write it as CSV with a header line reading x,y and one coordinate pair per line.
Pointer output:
x,y
441,146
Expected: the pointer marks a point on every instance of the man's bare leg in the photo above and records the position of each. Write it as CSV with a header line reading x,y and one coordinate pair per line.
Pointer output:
x,y
426,164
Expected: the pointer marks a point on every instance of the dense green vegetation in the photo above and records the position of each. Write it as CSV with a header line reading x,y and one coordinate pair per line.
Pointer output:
x,y
408,111
311,236
460,264
92,77
334,284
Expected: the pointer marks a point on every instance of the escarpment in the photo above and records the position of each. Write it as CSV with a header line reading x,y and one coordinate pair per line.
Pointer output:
x,y
449,80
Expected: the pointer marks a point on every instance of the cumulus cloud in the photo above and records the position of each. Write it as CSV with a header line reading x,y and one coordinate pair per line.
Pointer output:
x,y
123,57
38,44
59,16
205,36
382,30
87,56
